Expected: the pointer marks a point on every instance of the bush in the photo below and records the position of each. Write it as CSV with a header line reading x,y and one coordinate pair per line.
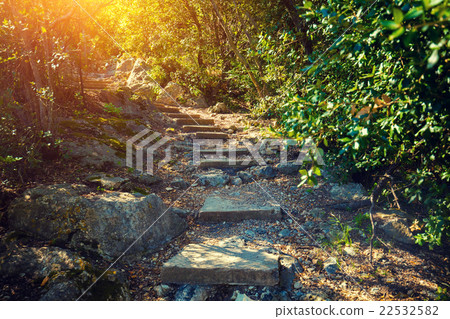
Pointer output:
x,y
375,95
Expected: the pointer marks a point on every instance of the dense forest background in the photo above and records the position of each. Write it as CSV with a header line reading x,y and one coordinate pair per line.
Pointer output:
x,y
367,80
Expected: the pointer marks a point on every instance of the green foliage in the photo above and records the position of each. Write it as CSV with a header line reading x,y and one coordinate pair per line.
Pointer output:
x,y
23,149
360,219
442,294
110,108
374,92
345,229
436,227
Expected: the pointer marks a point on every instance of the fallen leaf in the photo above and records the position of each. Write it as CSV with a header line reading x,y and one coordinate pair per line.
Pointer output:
x,y
44,282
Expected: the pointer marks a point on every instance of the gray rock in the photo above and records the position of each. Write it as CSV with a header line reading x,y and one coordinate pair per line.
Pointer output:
x,y
394,224
193,293
347,192
250,233
266,296
121,98
40,262
243,297
317,212
289,168
282,296
330,266
105,181
68,274
138,75
180,212
264,172
162,290
284,233
246,177
289,267
332,232
220,108
261,231
197,102
349,251
236,181
62,291
179,183
105,224
214,179
93,153
172,91
125,65
309,225
145,178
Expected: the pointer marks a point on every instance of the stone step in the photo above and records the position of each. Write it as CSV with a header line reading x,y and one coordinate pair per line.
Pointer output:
x,y
168,109
224,162
96,85
169,104
220,209
192,121
211,135
200,128
182,116
205,264
224,151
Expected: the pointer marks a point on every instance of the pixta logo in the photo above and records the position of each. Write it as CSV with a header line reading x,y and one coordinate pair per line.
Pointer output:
x,y
141,149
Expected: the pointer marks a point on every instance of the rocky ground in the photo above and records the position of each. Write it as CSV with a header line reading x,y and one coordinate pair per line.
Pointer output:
x,y
61,232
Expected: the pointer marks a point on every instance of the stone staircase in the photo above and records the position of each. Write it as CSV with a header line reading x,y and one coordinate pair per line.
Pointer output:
x,y
90,83
223,262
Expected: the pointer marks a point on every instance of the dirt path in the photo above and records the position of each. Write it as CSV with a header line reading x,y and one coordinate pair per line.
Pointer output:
x,y
328,270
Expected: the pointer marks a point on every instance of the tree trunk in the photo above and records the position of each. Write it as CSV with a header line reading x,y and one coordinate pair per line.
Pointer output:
x,y
301,28
197,23
252,44
50,80
39,106
233,47
43,120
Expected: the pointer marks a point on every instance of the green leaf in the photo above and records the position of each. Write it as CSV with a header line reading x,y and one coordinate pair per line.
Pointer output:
x,y
391,25
316,170
433,59
345,140
398,15
413,13
433,3
397,33
308,4
303,172
409,37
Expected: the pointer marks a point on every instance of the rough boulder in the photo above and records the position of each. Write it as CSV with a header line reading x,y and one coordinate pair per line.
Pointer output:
x,y
105,224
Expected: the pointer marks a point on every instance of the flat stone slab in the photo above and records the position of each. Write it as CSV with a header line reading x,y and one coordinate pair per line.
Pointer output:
x,y
200,128
224,162
224,151
219,209
168,109
211,135
194,121
182,116
205,264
